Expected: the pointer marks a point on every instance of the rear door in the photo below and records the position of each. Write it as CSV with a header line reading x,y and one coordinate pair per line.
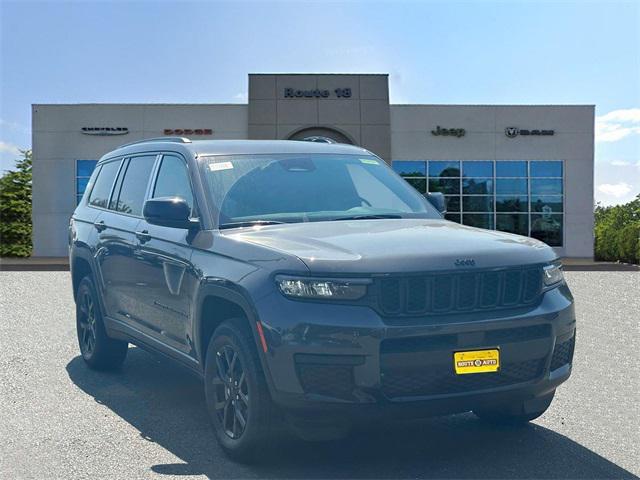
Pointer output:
x,y
164,255
117,240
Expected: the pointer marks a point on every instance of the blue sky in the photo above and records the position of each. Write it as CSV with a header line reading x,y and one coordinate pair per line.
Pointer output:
x,y
435,52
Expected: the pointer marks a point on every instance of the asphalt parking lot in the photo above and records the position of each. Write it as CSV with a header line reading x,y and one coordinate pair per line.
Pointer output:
x,y
60,420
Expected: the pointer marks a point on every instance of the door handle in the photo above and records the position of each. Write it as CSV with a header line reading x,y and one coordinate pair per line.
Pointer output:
x,y
143,236
100,226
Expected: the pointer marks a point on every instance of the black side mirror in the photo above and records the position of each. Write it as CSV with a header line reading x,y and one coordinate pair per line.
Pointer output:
x,y
169,212
437,200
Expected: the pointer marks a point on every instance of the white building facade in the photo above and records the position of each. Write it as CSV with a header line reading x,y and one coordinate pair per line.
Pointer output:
x,y
526,169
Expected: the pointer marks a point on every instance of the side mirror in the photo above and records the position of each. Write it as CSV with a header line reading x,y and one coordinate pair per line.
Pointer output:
x,y
169,212
437,200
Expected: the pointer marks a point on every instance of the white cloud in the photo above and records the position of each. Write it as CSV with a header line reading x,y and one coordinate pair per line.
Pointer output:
x,y
617,124
9,148
620,163
617,190
242,97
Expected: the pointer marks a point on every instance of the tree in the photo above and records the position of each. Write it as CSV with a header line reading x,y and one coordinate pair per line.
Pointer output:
x,y
617,232
15,209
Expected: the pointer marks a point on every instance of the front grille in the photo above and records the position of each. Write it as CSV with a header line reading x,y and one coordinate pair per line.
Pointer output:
x,y
439,381
563,353
328,380
458,291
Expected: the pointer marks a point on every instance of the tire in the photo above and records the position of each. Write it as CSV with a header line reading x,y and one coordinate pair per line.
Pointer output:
x,y
98,350
237,396
515,414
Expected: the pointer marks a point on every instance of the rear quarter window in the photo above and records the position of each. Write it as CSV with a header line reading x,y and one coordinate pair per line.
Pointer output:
x,y
104,182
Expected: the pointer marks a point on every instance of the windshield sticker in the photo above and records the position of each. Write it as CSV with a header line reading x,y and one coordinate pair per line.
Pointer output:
x,y
215,167
369,161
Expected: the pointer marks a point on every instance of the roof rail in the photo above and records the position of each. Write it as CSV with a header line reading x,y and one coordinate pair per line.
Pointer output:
x,y
158,139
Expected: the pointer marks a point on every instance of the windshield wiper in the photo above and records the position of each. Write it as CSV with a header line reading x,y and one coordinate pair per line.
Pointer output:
x,y
369,217
249,223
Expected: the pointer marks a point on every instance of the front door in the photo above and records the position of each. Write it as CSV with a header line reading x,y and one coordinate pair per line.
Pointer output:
x,y
164,255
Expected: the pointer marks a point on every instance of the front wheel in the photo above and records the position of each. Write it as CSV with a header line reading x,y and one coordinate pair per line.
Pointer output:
x,y
98,350
238,400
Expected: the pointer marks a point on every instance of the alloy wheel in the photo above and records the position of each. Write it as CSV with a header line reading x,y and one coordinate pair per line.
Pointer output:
x,y
231,392
87,323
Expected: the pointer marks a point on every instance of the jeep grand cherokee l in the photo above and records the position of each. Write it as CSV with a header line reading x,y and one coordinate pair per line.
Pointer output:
x,y
310,285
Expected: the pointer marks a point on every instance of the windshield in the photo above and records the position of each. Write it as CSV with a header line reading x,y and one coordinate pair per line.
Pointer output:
x,y
253,189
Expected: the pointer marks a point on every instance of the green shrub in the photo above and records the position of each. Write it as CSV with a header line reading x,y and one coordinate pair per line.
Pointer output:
x,y
15,209
617,232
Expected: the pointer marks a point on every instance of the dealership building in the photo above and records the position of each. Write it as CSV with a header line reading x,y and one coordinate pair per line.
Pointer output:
x,y
526,169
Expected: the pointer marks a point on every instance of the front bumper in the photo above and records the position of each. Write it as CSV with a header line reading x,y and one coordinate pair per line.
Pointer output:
x,y
347,358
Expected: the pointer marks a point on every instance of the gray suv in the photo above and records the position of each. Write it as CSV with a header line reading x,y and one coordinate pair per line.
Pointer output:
x,y
312,287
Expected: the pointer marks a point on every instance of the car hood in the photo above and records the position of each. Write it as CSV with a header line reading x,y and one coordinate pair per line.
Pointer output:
x,y
394,245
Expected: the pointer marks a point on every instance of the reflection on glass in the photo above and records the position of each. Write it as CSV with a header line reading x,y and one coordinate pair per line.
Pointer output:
x,y
543,203
480,220
477,169
477,186
408,168
453,203
511,169
444,169
546,169
513,223
447,186
511,186
547,227
420,184
477,204
546,186
454,217
511,203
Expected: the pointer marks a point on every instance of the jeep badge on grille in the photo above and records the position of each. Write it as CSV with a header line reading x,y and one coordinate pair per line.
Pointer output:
x,y
465,262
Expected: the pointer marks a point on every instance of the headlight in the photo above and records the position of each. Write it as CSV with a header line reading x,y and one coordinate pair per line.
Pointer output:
x,y
552,274
328,289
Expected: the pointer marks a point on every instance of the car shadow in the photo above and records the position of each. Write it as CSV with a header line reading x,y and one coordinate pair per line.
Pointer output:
x,y
165,403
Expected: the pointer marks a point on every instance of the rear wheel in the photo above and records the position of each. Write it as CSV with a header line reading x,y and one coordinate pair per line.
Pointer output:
x,y
98,350
238,400
519,413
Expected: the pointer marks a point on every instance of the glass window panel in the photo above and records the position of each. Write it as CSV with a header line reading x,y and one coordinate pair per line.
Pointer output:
x,y
480,220
454,217
453,203
548,228
84,168
477,186
546,169
546,186
511,186
511,169
444,169
546,204
173,180
104,182
134,185
447,186
512,203
513,223
477,203
420,184
477,169
410,168
81,185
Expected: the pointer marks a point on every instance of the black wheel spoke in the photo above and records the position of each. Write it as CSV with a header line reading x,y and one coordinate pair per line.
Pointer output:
x,y
231,394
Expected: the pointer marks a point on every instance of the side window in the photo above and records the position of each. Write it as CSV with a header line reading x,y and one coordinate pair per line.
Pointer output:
x,y
134,185
102,188
173,180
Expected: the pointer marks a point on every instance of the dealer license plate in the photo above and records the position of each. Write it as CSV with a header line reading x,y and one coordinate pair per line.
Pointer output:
x,y
476,361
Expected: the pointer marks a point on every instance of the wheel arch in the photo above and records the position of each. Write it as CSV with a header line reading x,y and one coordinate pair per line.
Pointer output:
x,y
217,303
